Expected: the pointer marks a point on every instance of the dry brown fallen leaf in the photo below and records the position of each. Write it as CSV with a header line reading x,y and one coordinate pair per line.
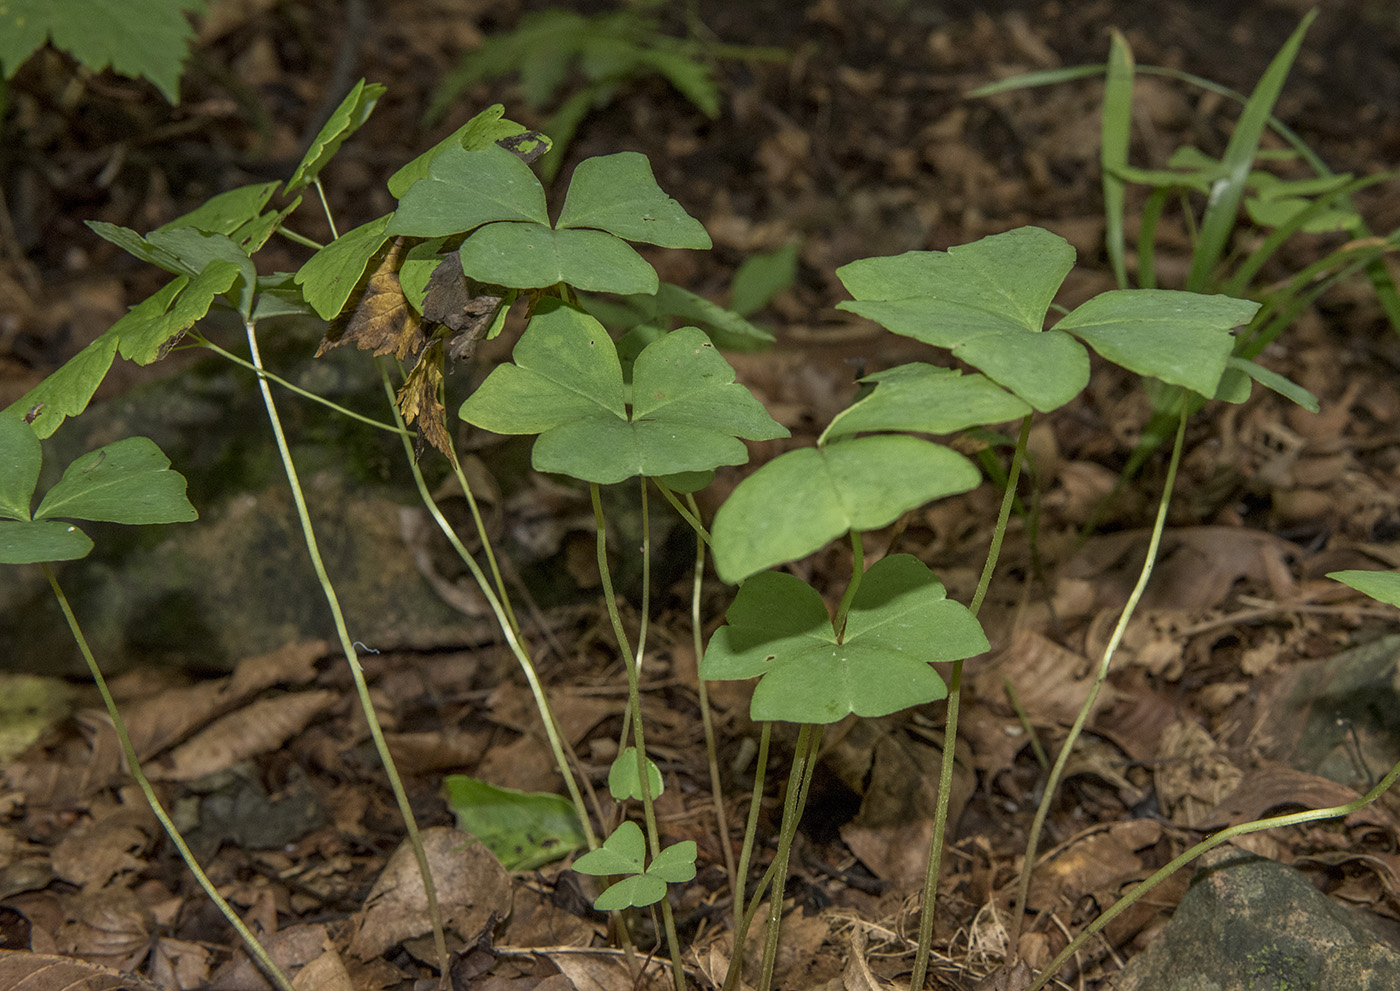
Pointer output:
x,y
22,971
471,887
258,728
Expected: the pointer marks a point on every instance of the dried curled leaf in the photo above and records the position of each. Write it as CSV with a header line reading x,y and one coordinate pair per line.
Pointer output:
x,y
450,301
381,321
418,400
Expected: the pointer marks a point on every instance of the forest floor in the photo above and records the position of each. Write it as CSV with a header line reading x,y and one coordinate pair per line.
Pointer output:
x,y
861,142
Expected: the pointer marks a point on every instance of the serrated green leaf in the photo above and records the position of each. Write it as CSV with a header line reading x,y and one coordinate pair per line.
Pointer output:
x,y
129,481
344,121
67,391
148,40
800,500
255,233
621,853
142,334
1383,586
465,189
483,130
899,622
20,460
128,240
618,194
525,830
45,540
986,302
151,328
623,780
198,251
926,399
329,276
226,212
184,251
1179,337
531,256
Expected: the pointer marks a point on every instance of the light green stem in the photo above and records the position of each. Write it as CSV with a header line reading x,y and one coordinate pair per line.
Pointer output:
x,y
321,192
741,919
843,608
691,515
633,664
1224,836
134,763
803,762
298,390
351,658
503,617
1033,842
934,864
706,717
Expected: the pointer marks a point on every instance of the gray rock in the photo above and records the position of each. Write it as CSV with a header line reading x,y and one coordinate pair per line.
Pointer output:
x,y
1251,923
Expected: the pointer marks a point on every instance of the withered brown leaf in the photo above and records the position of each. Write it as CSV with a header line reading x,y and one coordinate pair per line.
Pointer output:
x,y
381,320
450,302
418,399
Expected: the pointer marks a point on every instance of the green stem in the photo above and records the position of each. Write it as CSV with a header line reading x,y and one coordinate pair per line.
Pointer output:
x,y
204,342
504,618
857,573
134,763
301,239
1041,757
351,658
950,729
633,664
691,515
1033,842
706,717
321,192
1224,836
803,762
741,918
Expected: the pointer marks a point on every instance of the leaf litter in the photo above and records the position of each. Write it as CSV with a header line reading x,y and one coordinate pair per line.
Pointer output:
x,y
1198,729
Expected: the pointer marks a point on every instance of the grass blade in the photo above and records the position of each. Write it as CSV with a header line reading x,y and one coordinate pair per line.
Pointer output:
x,y
1223,207
1116,128
1030,80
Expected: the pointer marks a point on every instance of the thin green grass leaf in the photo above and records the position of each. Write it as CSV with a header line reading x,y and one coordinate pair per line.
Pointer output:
x,y
1222,210
1115,131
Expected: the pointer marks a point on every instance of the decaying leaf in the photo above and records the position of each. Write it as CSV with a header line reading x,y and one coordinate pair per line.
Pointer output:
x,y
381,321
418,400
262,726
450,301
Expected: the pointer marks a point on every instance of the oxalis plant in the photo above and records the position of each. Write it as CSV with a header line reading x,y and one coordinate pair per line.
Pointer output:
x,y
471,238
986,303
127,482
